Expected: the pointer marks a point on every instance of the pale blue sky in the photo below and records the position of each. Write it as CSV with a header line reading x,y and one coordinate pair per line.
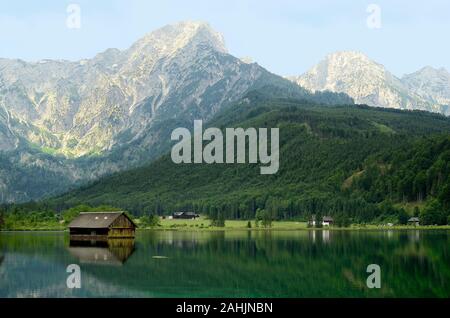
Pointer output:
x,y
285,36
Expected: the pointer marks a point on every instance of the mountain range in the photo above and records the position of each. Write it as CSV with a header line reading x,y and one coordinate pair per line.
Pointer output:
x,y
65,123
368,82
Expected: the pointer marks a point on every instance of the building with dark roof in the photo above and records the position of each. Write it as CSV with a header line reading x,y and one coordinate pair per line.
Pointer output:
x,y
101,225
414,221
185,215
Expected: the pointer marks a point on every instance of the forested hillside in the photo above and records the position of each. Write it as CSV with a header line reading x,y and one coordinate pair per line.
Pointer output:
x,y
357,163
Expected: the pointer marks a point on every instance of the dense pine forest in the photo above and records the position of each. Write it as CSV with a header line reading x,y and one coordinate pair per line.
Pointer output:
x,y
356,163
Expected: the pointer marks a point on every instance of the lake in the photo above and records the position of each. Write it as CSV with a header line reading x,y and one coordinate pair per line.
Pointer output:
x,y
273,263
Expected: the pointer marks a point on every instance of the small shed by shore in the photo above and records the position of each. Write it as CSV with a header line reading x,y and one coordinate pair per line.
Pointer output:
x,y
101,226
414,221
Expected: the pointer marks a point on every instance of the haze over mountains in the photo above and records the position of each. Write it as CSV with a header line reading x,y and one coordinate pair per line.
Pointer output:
x,y
64,123
368,82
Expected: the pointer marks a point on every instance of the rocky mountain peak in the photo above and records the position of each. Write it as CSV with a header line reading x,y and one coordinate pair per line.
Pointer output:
x,y
430,83
369,82
171,38
93,106
343,71
343,57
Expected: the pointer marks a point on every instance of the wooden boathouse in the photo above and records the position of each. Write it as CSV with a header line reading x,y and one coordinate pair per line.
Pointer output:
x,y
101,226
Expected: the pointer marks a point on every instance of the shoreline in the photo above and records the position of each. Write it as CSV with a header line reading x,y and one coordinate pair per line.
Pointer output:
x,y
189,229
225,229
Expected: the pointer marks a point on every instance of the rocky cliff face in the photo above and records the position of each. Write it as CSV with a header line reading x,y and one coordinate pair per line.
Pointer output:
x,y
80,108
371,83
431,84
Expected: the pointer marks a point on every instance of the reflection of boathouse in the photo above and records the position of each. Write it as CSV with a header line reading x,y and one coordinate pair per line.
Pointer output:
x,y
112,252
101,226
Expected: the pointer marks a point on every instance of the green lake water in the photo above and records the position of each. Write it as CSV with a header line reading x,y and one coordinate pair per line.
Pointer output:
x,y
230,264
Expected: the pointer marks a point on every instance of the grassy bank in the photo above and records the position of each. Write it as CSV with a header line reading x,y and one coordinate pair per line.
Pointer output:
x,y
204,224
36,226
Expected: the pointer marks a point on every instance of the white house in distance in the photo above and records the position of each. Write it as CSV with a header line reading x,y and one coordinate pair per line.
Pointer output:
x,y
326,221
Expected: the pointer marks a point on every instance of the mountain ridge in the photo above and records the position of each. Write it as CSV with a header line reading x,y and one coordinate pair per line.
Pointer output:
x,y
368,82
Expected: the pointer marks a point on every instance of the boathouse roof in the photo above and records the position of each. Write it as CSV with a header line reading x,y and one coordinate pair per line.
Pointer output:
x,y
96,220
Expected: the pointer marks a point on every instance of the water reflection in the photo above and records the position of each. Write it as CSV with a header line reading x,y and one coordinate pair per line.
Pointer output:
x,y
111,252
326,236
320,236
313,236
414,236
313,263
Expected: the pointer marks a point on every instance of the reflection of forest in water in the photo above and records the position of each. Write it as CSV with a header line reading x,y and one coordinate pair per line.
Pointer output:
x,y
260,263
